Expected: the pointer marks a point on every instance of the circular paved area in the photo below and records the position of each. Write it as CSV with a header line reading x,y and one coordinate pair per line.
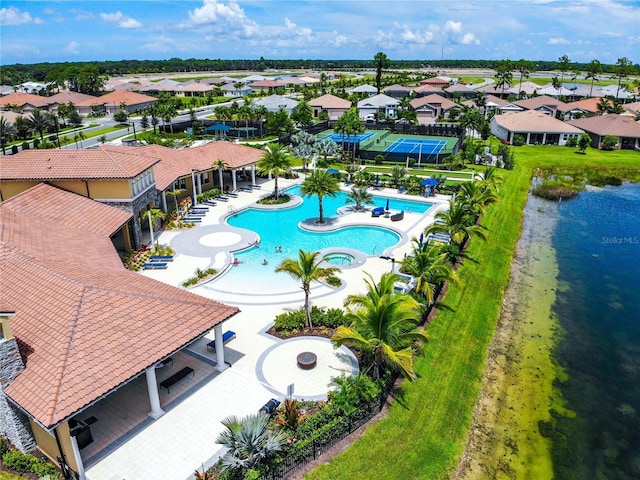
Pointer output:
x,y
277,367
220,239
207,240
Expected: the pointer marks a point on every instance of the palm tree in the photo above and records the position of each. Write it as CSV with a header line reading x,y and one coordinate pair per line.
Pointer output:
x,y
477,195
430,267
564,66
359,196
458,222
6,129
305,152
491,177
260,113
524,67
306,269
249,441
604,106
153,215
594,69
320,183
471,120
504,74
40,121
221,166
167,112
381,61
327,148
175,194
383,323
397,174
275,161
622,69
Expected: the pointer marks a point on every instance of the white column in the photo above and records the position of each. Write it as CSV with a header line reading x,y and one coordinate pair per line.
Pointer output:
x,y
193,185
78,457
164,201
544,138
152,389
199,180
528,138
253,175
233,179
221,366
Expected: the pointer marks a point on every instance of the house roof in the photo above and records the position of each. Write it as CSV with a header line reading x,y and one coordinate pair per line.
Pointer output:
x,y
588,104
459,87
267,84
434,100
397,88
276,102
436,81
534,121
174,163
492,100
67,96
75,211
20,99
118,97
85,325
366,88
377,101
542,101
527,87
426,89
330,101
73,164
611,124
493,89
10,116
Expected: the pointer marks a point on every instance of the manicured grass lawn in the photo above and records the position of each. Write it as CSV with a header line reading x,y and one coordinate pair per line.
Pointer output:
x,y
425,432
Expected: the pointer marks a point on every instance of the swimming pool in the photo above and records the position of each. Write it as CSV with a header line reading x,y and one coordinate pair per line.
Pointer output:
x,y
281,237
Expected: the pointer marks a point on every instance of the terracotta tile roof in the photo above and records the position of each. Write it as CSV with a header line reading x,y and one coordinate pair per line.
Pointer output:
x,y
267,84
85,325
611,124
66,97
174,163
330,101
459,87
73,164
10,117
20,99
57,205
117,97
534,121
588,104
542,101
433,99
426,88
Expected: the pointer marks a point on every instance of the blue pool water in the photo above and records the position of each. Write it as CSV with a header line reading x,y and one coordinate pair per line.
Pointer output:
x,y
279,228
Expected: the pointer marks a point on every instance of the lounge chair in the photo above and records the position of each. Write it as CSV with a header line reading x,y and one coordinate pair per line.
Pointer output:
x,y
210,203
196,213
246,189
161,258
154,265
222,199
254,185
378,211
192,219
402,190
232,194
202,208
396,217
226,336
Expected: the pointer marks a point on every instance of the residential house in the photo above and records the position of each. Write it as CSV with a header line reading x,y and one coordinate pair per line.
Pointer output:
x,y
589,105
626,129
397,91
441,82
429,108
268,86
273,103
23,102
551,106
365,89
460,90
334,106
235,89
110,103
537,128
66,97
425,90
378,105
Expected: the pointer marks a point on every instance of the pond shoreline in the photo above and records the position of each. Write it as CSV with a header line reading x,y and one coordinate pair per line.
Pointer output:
x,y
517,388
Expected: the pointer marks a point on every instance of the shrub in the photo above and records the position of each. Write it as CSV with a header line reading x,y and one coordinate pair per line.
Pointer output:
x,y
518,140
609,142
18,461
285,322
572,142
378,159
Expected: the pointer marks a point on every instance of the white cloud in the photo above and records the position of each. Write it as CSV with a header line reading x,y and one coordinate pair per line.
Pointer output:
x,y
73,47
13,16
558,41
301,31
120,20
453,27
213,12
469,39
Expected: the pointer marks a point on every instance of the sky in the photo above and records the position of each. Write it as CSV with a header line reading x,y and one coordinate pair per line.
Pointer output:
x,y
35,31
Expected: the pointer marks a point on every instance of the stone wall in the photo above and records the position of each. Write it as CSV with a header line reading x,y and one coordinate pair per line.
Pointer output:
x,y
134,208
14,424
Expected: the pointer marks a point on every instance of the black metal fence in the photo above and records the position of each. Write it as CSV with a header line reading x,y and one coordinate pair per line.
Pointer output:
x,y
327,437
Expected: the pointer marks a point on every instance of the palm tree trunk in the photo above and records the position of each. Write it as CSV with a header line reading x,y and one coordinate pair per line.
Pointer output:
x,y
307,291
321,210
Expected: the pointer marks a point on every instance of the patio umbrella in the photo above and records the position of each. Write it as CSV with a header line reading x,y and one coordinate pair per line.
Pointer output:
x,y
387,207
429,182
332,170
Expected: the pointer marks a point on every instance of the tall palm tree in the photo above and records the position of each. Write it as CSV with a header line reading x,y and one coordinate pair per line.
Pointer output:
x,y
524,68
381,61
491,177
306,269
175,194
458,222
478,195
385,324
327,148
221,166
322,184
40,121
397,174
275,161
594,69
504,74
249,441
564,66
430,267
260,113
359,196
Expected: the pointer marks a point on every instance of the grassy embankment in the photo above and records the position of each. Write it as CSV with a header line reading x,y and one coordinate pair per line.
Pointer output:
x,y
426,430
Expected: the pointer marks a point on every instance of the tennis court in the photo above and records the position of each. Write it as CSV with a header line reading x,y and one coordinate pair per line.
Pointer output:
x,y
357,138
417,146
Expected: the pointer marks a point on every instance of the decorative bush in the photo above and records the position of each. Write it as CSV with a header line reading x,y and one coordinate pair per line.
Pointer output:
x,y
334,281
572,142
609,142
200,275
518,140
291,322
27,463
